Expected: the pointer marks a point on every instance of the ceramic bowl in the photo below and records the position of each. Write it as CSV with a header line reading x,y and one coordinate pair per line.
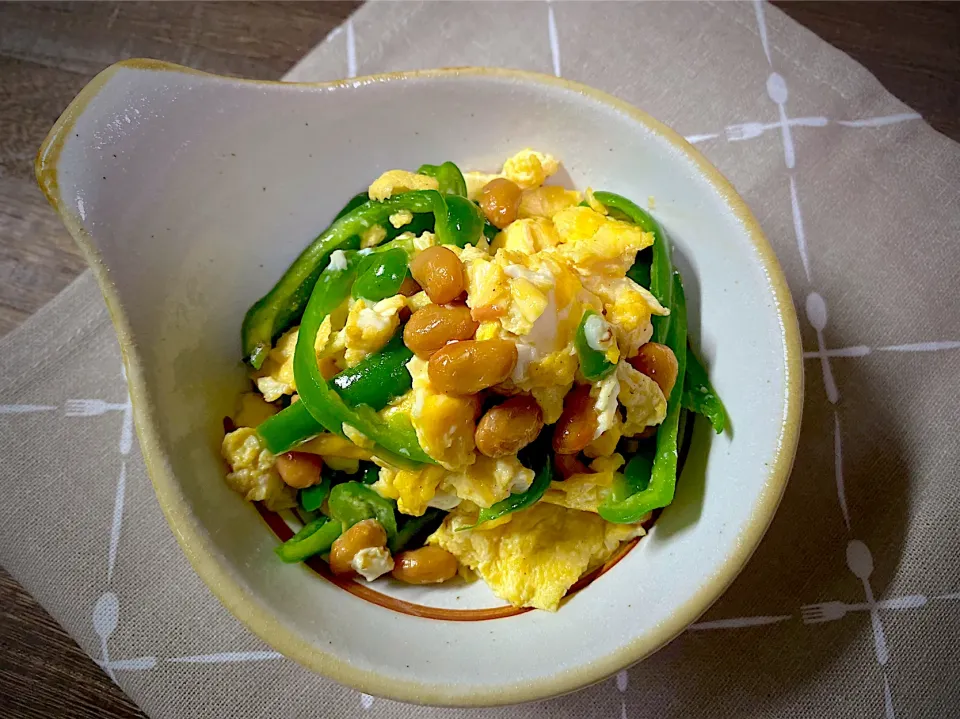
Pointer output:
x,y
191,193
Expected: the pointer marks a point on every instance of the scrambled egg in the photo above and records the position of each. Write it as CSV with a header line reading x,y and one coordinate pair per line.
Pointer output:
x,y
252,471
445,424
628,307
641,397
370,326
393,182
413,489
586,491
533,559
597,244
482,483
252,409
401,218
527,236
547,201
487,481
528,168
275,377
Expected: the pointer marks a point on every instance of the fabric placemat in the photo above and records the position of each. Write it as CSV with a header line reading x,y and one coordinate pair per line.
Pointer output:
x,y
851,605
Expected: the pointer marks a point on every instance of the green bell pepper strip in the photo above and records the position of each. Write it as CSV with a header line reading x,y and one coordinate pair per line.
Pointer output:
x,y
663,477
699,395
380,275
355,202
396,445
661,268
377,379
448,176
635,478
371,474
288,428
593,363
413,527
281,306
490,230
374,381
316,537
311,498
464,223
423,222
352,502
640,271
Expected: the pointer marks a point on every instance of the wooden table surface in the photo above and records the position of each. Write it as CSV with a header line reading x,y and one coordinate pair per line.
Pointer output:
x,y
49,51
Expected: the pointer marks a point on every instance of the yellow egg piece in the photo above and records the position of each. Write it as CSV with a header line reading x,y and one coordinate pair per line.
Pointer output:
x,y
370,326
586,491
547,201
252,409
628,307
532,560
252,471
642,398
445,424
597,244
529,168
550,400
393,182
413,489
487,481
527,236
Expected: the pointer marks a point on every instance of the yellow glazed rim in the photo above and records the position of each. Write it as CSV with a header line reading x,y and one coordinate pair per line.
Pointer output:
x,y
194,540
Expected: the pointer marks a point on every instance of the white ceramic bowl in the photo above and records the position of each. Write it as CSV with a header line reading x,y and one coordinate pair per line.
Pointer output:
x,y
191,193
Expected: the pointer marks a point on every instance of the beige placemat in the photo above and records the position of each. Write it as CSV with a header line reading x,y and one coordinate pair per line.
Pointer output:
x,y
851,606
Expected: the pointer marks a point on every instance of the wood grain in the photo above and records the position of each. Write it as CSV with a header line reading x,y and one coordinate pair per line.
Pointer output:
x,y
912,48
49,51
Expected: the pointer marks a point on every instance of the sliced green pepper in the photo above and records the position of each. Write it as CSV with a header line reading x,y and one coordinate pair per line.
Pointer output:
x,y
311,498
448,176
699,395
663,477
316,537
639,272
414,527
635,478
464,224
377,379
352,502
661,268
490,230
371,474
279,308
593,363
424,222
396,445
355,202
380,275
288,428
374,381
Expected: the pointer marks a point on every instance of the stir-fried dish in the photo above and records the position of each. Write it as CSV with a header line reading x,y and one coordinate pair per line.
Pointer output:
x,y
473,375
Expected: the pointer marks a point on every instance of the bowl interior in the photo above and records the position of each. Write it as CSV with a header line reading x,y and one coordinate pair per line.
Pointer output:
x,y
193,193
